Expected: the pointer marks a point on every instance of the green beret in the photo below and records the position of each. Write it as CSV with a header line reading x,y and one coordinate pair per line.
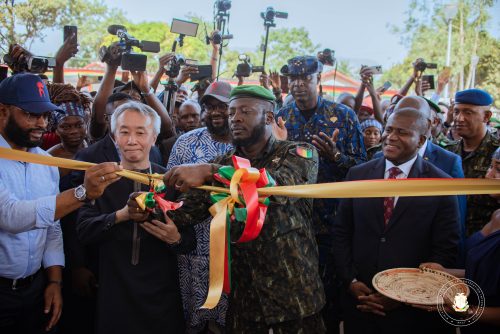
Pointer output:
x,y
253,91
433,105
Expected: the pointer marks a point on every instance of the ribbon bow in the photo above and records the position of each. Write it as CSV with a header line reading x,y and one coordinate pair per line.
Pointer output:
x,y
242,205
155,199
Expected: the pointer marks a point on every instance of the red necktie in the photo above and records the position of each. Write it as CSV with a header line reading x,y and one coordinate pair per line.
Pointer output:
x,y
389,201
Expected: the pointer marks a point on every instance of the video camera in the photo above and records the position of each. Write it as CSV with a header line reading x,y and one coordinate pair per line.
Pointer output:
x,y
270,14
28,62
223,5
121,53
245,69
217,38
173,67
327,57
422,66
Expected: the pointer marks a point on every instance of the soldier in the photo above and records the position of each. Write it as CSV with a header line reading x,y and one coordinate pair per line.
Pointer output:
x,y
275,277
334,130
471,113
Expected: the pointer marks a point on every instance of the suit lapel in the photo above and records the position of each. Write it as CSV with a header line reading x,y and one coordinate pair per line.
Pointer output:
x,y
417,171
430,152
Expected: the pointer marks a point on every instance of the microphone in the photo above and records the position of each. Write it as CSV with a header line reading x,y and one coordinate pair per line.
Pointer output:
x,y
116,29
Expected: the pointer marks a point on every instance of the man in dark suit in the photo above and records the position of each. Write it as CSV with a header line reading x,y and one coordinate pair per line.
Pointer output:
x,y
374,234
448,162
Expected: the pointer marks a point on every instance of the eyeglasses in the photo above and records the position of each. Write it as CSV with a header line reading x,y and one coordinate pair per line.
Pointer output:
x,y
33,118
305,78
216,107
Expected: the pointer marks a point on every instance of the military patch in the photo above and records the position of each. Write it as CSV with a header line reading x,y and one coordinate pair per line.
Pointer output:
x,y
303,152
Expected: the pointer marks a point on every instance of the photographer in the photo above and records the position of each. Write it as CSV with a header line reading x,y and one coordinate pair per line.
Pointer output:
x,y
367,83
65,52
98,125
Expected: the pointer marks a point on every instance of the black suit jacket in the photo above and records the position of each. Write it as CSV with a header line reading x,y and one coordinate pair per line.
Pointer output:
x,y
421,229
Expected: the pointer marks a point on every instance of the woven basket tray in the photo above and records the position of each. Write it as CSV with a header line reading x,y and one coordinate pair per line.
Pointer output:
x,y
418,286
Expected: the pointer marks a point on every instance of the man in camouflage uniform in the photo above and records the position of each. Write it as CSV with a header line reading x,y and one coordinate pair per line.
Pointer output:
x,y
275,279
471,113
335,131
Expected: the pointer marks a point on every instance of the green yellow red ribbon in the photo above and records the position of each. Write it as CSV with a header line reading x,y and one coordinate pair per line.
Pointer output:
x,y
219,229
242,205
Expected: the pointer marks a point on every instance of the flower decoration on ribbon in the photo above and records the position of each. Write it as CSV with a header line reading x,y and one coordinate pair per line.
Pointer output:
x,y
155,199
243,205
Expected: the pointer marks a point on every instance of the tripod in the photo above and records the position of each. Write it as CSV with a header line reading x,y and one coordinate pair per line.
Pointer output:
x,y
171,86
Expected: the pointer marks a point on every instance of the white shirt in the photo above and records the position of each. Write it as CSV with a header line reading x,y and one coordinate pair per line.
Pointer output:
x,y
405,169
421,151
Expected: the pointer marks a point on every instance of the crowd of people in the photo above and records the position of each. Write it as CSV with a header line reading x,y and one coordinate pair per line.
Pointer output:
x,y
78,254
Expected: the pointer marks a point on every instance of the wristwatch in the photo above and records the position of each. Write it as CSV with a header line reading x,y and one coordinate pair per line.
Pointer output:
x,y
81,194
337,156
151,91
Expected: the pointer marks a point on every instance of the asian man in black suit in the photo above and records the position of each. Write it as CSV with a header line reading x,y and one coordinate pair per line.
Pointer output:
x,y
374,234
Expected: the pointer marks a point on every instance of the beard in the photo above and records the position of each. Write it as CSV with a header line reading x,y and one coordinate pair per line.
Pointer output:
x,y
19,136
256,134
217,130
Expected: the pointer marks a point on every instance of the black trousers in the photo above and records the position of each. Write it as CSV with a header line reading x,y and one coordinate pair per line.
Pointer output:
x,y
21,310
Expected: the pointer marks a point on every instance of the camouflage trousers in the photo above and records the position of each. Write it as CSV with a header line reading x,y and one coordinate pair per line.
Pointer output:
x,y
309,325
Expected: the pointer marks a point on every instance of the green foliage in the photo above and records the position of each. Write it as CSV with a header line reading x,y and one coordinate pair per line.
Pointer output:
x,y
23,22
285,43
426,34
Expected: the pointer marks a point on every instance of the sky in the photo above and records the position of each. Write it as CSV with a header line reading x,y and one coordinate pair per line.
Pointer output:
x,y
356,29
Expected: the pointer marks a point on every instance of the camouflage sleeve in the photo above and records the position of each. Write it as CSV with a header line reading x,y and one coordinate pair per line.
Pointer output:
x,y
351,145
295,169
194,209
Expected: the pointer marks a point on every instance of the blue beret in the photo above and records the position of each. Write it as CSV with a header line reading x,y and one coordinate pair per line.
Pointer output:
x,y
473,96
302,65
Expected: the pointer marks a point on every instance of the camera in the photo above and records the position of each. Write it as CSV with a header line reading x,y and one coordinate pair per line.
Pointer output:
x,y
217,38
270,14
245,69
327,57
173,67
28,62
120,53
422,66
223,5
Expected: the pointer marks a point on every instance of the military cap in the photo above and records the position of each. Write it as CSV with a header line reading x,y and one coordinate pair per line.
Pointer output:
x,y
302,65
473,96
433,105
253,91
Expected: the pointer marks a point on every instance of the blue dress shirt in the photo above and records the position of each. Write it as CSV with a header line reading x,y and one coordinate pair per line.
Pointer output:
x,y
29,236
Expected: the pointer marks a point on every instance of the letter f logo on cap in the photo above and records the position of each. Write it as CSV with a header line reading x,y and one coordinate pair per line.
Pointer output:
x,y
41,91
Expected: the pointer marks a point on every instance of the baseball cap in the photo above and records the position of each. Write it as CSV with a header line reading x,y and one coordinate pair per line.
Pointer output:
x,y
28,92
220,90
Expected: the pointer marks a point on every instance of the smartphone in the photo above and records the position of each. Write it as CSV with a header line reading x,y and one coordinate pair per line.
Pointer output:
x,y
430,80
191,62
70,30
376,69
385,86
204,71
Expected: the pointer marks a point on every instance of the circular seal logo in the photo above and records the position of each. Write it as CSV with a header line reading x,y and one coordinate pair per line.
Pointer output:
x,y
461,315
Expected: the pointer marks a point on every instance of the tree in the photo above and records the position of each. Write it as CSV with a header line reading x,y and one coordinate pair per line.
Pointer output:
x,y
426,31
23,22
285,43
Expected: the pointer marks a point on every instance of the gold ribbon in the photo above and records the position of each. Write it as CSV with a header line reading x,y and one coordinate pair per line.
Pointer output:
x,y
349,189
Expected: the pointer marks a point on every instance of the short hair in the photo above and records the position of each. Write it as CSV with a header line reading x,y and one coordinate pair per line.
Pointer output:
x,y
191,103
421,121
118,97
140,108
